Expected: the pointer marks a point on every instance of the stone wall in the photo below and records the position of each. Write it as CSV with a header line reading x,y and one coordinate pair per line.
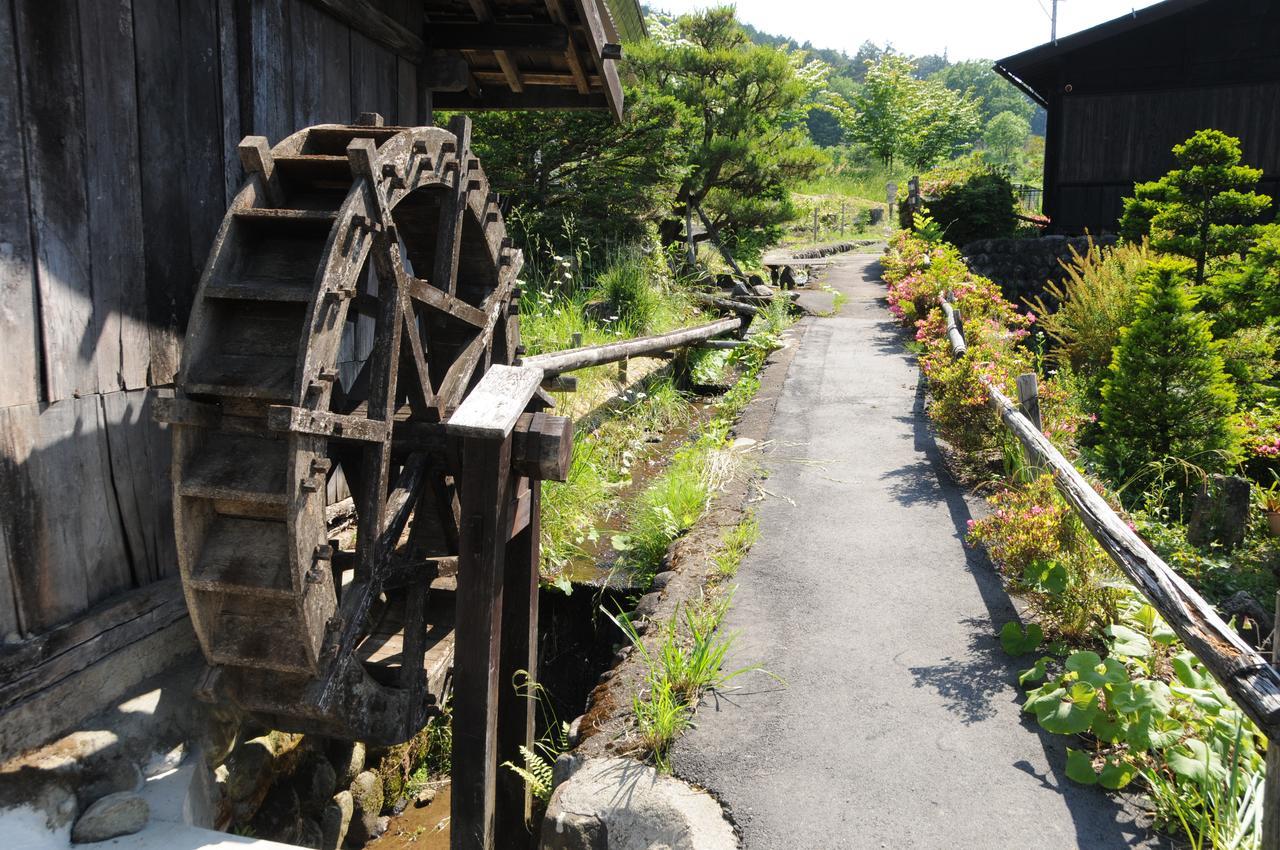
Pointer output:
x,y
1022,266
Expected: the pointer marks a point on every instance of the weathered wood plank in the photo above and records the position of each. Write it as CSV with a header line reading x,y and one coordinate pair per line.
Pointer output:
x,y
321,68
139,459
589,11
53,106
373,77
491,409
517,704
580,358
19,320
371,24
486,499
230,65
272,59
65,543
117,343
43,661
542,446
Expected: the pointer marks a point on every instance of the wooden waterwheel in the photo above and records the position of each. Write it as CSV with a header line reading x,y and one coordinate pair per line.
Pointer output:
x,y
359,288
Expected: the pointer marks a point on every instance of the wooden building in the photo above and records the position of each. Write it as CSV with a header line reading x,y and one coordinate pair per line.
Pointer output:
x,y
119,121
1121,95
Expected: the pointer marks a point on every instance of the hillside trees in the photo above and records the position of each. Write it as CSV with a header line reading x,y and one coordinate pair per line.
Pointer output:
x,y
1005,135
902,119
740,114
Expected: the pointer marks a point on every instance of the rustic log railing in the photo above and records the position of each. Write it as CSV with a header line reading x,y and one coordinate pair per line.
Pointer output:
x,y
1246,675
558,362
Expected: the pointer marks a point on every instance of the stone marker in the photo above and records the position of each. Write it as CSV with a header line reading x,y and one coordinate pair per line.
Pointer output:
x,y
122,813
1220,513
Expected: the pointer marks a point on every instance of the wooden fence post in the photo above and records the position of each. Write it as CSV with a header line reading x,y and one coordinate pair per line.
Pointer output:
x,y
1029,399
1271,782
842,219
815,223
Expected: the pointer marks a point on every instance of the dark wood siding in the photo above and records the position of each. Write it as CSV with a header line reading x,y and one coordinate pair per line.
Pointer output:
x,y
118,126
1104,143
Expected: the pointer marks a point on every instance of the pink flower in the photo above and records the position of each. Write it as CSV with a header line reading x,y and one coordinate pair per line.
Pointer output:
x,y
1031,317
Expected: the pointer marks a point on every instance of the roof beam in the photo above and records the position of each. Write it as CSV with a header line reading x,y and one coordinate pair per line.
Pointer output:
x,y
589,11
367,20
556,10
498,36
480,8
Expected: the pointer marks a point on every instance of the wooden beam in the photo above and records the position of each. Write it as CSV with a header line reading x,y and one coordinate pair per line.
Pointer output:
x,y
486,486
485,15
492,409
41,662
538,97
366,19
589,11
555,8
580,358
537,78
421,290
318,423
498,36
542,446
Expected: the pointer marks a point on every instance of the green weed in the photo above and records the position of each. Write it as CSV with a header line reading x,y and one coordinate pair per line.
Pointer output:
x,y
734,548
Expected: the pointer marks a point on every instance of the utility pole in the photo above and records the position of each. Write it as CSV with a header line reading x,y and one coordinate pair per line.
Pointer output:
x,y
1053,30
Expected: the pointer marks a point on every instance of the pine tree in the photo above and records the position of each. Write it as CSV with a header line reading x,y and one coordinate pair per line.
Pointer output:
x,y
1167,395
1204,209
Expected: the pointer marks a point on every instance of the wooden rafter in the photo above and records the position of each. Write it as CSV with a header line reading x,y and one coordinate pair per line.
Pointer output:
x,y
555,8
485,15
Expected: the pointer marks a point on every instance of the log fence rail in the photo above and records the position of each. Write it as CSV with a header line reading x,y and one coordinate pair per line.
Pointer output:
x,y
1246,675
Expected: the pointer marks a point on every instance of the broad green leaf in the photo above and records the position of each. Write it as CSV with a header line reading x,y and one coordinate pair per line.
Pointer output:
x,y
1143,695
1036,673
1204,698
1071,713
1016,641
1153,732
1108,729
1189,671
1048,576
1097,672
1080,767
1115,775
1043,695
1194,760
1127,642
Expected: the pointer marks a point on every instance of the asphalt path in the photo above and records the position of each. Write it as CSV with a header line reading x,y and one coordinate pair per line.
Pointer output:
x,y
899,722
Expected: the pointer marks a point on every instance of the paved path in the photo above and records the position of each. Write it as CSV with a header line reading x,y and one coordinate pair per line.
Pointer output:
x,y
899,725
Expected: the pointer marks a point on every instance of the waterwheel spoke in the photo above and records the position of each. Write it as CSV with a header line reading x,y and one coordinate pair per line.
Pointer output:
x,y
422,397
449,239
421,290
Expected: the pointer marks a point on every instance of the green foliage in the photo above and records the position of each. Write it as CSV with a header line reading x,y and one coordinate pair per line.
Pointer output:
x,y
1167,395
1005,135
901,118
734,547
980,207
1204,209
687,662
996,94
738,110
1246,293
1086,311
608,177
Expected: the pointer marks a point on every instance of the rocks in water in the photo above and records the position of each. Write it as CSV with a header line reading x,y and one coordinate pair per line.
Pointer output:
x,y
121,813
280,816
348,761
400,805
425,797
336,820
248,767
368,798
106,778
1220,513
315,780
310,834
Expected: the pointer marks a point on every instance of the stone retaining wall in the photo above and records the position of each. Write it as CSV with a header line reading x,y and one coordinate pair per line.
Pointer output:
x,y
1022,266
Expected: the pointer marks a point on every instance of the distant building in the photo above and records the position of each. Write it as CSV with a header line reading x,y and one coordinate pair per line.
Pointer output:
x,y
1121,95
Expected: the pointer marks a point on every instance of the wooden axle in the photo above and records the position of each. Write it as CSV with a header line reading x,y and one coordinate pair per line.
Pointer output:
x,y
559,362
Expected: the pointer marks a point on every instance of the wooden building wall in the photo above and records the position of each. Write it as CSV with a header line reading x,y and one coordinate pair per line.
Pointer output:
x,y
1104,143
118,126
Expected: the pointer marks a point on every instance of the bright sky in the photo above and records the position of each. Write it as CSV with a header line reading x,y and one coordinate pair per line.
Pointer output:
x,y
977,29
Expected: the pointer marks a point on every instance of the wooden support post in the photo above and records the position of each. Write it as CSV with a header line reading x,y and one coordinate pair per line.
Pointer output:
x,y
1271,782
1029,399
517,700
486,518
842,219
815,222
622,370
691,255
575,340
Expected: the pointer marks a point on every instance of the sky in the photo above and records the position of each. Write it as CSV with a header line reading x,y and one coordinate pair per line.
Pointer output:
x,y
977,29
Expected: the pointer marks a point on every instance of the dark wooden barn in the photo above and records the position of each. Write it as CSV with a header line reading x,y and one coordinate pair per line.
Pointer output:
x,y
1121,95
119,124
